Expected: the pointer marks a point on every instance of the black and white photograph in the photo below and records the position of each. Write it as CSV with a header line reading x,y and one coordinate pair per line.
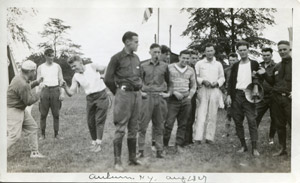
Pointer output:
x,y
137,91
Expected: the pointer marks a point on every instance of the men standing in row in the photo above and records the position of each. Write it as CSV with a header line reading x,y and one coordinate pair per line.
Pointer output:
x,y
51,94
19,96
123,78
240,78
155,78
210,76
281,100
183,87
89,78
262,107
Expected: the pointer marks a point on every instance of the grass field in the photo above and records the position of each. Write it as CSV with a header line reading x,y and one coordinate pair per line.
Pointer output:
x,y
71,154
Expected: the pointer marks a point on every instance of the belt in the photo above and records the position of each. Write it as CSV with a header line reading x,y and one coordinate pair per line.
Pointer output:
x,y
128,88
153,92
51,86
282,94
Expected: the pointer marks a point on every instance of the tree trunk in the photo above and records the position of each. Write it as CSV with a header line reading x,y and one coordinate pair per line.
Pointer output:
x,y
232,31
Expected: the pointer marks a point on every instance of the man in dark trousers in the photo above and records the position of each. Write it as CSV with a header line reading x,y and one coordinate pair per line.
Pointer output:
x,y
281,80
190,122
262,107
123,78
183,88
240,78
155,77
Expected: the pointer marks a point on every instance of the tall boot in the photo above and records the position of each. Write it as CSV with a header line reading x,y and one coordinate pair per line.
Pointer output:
x,y
117,154
254,149
166,142
244,146
131,143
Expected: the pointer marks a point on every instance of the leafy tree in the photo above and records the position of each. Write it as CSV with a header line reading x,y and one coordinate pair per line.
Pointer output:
x,y
225,26
15,28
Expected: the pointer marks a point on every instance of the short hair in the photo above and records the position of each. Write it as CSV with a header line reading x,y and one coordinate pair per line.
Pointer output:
x,y
267,50
209,45
233,55
73,59
48,51
165,49
283,42
242,43
193,52
154,45
128,36
187,52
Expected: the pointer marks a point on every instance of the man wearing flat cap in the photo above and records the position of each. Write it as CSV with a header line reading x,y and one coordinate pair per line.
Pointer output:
x,y
19,96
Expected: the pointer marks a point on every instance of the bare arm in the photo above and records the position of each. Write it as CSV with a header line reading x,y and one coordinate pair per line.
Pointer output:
x,y
73,88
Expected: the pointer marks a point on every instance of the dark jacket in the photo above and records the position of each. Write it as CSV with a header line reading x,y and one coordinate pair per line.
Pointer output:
x,y
233,76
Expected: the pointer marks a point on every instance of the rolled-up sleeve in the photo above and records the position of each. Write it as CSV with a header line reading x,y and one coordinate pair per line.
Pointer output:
x,y
26,95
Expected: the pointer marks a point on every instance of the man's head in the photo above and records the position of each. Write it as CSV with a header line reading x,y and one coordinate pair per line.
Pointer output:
x,y
155,51
209,51
193,57
28,68
184,58
131,41
49,55
76,64
243,49
267,54
284,49
232,58
165,53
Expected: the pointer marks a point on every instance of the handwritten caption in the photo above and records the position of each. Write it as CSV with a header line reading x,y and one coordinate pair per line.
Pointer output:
x,y
150,178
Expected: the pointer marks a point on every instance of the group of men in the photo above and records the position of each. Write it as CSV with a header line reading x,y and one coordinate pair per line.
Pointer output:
x,y
189,91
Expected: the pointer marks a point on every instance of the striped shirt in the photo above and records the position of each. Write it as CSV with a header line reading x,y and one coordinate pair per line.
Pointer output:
x,y
185,82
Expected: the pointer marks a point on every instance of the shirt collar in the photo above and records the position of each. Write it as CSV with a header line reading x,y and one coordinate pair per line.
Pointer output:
x,y
124,53
272,63
151,62
214,59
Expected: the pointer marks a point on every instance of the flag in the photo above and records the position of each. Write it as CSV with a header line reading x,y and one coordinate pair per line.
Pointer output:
x,y
147,14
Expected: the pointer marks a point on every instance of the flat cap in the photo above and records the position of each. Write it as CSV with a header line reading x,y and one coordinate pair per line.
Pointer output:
x,y
28,65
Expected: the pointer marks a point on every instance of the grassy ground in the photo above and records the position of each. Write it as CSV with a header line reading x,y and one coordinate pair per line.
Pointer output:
x,y
72,155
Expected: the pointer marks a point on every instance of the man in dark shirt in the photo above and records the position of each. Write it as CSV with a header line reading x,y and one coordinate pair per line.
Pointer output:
x,y
262,107
123,78
155,78
281,80
19,96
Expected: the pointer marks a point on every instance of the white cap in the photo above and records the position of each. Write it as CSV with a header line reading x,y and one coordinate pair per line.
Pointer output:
x,y
28,65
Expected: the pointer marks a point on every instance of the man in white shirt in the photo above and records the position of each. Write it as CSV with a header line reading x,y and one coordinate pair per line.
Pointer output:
x,y
51,94
89,78
240,78
210,76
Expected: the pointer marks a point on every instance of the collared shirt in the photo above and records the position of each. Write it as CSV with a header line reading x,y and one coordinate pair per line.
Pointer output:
x,y
19,93
123,68
185,83
90,79
281,77
269,70
155,76
211,71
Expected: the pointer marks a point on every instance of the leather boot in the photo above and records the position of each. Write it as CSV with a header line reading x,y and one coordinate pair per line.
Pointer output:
x,y
282,142
244,146
131,143
159,154
117,154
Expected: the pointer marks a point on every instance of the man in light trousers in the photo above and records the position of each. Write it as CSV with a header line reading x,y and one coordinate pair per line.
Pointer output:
x,y
210,75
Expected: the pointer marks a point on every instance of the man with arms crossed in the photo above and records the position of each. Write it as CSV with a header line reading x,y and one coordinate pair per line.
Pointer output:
x,y
123,78
89,78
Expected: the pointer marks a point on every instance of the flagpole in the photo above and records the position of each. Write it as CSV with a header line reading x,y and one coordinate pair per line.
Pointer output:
x,y
170,36
157,25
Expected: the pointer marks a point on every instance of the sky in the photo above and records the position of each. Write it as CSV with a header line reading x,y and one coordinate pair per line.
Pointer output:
x,y
99,31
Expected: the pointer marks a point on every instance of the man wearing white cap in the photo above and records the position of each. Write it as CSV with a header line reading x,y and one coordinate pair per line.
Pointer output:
x,y
19,96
